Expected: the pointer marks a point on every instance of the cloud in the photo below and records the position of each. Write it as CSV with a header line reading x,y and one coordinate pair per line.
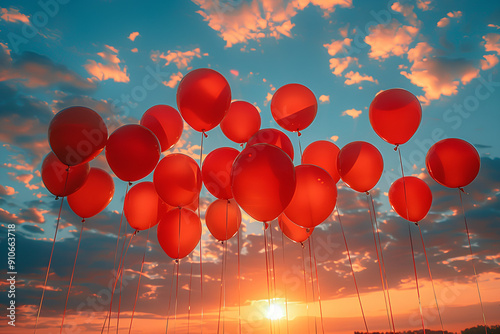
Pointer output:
x,y
488,62
234,72
133,36
258,19
7,190
334,138
406,10
339,65
492,43
324,99
355,78
446,20
110,70
32,70
336,46
352,112
134,50
424,4
13,15
175,78
391,39
438,75
179,58
496,26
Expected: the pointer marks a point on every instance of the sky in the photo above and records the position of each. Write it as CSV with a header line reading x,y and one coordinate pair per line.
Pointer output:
x,y
122,57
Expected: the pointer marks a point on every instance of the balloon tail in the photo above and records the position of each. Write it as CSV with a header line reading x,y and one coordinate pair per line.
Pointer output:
x,y
430,276
379,264
267,275
273,272
189,295
239,283
51,252
170,296
305,285
176,293
120,230
300,146
317,285
472,260
221,287
72,275
312,283
203,135
284,283
139,281
416,277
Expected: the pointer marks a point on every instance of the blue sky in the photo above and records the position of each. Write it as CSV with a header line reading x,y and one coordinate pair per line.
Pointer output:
x,y
122,57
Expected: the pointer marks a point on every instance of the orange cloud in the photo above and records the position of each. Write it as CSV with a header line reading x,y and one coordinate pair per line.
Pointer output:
x,y
406,10
334,138
134,50
488,62
7,190
175,78
179,58
355,78
336,46
110,70
339,65
13,15
492,42
446,20
391,39
259,18
424,4
133,36
437,76
352,112
324,99
234,72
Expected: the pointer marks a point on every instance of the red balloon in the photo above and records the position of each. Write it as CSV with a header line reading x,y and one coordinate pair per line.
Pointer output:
x,y
216,171
95,194
168,232
143,207
360,165
294,107
315,196
323,153
166,123
263,181
203,98
215,217
395,115
417,202
273,137
54,176
177,180
453,163
132,152
77,135
241,121
293,231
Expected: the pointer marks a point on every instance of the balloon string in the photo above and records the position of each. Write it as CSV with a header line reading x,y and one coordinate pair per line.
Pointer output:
x,y
120,291
317,285
170,296
176,293
305,285
203,134
312,283
379,265
221,286
139,281
274,272
430,276
120,230
352,269
239,283
189,295
416,277
72,275
267,276
224,290
382,261
300,146
118,274
472,260
284,266
52,251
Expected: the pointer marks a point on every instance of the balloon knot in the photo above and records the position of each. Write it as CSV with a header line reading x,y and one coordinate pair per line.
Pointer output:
x,y
176,261
242,145
204,133
129,183
298,133
222,242
308,230
367,193
302,244
57,197
83,220
396,148
416,223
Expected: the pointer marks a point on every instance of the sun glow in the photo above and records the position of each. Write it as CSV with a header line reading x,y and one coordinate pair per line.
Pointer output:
x,y
275,311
